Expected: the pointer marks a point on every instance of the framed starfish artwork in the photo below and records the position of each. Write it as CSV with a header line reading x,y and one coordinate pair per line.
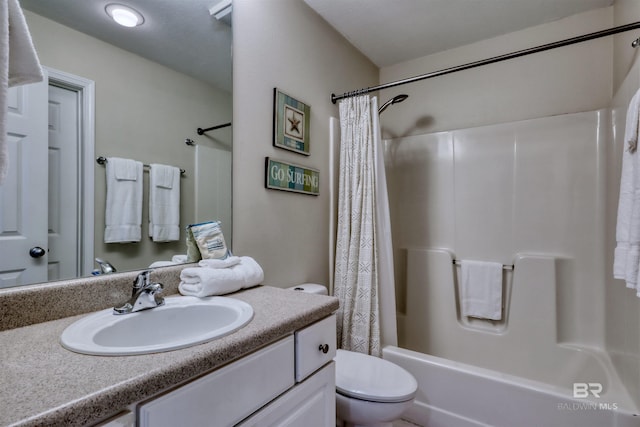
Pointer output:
x,y
291,123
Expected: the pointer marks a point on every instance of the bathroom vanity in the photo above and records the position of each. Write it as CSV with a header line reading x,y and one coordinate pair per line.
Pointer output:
x,y
243,388
273,371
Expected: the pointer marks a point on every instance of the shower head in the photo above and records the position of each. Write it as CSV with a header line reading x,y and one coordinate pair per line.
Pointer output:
x,y
396,99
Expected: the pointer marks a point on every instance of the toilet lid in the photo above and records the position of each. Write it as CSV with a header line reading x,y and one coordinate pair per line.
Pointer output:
x,y
369,378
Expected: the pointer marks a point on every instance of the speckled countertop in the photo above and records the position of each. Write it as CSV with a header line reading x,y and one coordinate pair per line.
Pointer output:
x,y
41,383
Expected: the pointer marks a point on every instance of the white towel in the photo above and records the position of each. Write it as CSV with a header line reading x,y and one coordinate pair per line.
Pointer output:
x,y
123,211
208,281
627,251
179,259
164,203
157,264
175,260
481,289
18,65
220,263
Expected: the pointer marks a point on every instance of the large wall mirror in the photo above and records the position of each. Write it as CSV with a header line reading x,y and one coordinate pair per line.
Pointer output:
x,y
152,86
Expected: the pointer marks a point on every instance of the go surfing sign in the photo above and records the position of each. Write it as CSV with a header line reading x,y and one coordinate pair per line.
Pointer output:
x,y
290,177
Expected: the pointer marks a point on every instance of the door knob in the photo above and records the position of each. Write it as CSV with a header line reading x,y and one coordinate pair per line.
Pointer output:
x,y
36,252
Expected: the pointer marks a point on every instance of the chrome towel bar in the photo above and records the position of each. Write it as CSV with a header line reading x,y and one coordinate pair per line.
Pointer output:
x,y
504,267
103,160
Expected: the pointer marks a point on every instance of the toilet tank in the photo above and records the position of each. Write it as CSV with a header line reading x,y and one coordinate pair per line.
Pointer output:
x,y
311,288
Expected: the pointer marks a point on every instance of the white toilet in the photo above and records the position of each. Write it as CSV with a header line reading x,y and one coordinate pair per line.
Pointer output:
x,y
370,391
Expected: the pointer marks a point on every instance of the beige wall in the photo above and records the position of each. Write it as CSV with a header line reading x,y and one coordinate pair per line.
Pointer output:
x,y
144,111
569,79
622,307
284,44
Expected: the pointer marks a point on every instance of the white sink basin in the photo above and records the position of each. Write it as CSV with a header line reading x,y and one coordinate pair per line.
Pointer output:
x,y
181,322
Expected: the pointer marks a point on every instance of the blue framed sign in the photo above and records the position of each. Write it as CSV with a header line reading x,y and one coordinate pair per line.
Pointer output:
x,y
290,177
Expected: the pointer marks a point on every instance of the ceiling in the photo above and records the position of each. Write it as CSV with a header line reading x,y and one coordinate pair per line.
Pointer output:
x,y
180,34
393,31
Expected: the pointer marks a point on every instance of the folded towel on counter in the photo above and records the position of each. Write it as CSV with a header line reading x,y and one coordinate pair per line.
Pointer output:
x,y
19,65
123,210
180,259
220,280
175,260
164,203
157,264
481,289
220,263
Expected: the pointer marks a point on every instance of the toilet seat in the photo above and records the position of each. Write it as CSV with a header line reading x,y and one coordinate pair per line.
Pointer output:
x,y
365,377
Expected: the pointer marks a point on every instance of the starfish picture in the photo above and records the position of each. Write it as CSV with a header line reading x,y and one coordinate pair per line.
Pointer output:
x,y
291,127
294,123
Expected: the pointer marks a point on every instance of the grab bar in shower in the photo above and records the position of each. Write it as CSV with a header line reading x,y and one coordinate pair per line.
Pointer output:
x,y
504,267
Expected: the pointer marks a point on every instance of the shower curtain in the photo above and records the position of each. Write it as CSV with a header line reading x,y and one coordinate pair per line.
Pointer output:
x,y
363,265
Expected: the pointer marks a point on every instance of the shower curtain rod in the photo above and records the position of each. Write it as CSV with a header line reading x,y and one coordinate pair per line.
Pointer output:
x,y
529,51
202,131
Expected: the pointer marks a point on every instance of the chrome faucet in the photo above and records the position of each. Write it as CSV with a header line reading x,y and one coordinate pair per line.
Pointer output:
x,y
105,266
144,295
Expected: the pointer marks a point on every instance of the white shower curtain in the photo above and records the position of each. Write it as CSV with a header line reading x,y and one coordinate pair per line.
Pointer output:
x,y
361,275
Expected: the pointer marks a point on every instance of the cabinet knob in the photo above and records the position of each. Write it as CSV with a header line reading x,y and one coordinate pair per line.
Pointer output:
x,y
324,348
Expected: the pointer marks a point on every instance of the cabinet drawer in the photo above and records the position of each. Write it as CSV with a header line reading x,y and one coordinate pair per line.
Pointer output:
x,y
315,346
228,395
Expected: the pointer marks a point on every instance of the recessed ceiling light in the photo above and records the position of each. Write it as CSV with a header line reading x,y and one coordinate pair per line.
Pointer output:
x,y
124,15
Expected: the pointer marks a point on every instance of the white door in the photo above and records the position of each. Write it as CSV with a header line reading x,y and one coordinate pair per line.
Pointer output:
x,y
23,196
64,215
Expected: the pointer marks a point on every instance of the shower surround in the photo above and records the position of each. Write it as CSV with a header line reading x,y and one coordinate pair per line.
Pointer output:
x,y
530,194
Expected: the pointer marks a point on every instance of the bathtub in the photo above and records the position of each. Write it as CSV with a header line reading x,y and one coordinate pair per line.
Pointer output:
x,y
453,394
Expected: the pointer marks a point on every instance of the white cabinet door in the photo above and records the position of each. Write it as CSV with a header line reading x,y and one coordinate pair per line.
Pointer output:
x,y
311,403
227,395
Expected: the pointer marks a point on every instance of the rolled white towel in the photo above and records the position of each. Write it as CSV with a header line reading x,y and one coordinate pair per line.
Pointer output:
x,y
156,264
180,259
208,280
219,263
